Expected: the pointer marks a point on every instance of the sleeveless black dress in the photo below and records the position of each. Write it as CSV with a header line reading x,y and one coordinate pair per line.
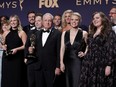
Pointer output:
x,y
13,65
71,59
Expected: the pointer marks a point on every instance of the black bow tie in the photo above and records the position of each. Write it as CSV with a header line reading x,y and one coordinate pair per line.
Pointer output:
x,y
113,24
31,26
45,31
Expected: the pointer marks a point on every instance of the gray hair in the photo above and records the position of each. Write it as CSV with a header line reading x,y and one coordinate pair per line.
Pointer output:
x,y
49,15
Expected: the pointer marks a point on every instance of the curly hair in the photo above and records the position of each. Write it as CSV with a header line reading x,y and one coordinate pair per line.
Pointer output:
x,y
105,23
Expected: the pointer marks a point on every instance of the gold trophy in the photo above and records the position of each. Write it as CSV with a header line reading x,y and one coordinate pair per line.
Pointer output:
x,y
32,41
2,42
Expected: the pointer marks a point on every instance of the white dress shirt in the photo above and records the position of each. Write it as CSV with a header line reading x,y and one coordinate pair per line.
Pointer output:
x,y
45,37
32,27
114,29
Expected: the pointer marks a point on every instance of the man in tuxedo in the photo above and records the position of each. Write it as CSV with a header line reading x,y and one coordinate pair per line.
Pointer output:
x,y
30,61
31,20
112,15
47,51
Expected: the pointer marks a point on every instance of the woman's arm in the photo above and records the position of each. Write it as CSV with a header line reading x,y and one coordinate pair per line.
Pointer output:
x,y
23,37
62,50
85,35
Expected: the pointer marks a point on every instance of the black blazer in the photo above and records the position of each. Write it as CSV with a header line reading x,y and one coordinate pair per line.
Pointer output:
x,y
27,29
49,55
35,31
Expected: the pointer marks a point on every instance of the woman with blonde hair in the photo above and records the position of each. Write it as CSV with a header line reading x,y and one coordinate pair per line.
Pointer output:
x,y
73,44
66,20
13,61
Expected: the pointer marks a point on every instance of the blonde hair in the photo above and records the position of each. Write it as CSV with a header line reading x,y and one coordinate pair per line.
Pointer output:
x,y
63,17
79,15
20,28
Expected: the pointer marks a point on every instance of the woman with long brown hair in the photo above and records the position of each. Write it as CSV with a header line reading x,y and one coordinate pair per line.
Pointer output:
x,y
97,66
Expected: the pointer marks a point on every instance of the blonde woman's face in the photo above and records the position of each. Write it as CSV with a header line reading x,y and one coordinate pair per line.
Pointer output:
x,y
67,17
97,20
13,22
74,21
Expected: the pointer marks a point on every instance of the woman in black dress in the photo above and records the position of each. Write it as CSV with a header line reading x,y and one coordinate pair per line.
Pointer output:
x,y
13,64
97,66
72,45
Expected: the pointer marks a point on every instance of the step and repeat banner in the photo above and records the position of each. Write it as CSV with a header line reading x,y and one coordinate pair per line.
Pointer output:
x,y
84,7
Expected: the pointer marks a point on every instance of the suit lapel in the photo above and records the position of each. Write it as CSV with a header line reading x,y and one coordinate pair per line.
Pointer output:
x,y
49,37
39,38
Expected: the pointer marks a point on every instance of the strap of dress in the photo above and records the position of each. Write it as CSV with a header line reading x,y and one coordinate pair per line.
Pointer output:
x,y
67,37
78,37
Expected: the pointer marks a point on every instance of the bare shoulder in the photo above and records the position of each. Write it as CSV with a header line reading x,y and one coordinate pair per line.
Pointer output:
x,y
63,33
22,33
85,33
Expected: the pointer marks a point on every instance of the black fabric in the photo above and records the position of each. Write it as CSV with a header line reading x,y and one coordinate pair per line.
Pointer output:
x,y
13,67
71,59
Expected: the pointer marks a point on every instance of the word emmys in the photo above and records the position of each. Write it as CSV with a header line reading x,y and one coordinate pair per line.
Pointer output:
x,y
95,2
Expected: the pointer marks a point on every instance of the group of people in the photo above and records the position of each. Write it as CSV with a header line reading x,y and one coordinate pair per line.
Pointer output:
x,y
50,47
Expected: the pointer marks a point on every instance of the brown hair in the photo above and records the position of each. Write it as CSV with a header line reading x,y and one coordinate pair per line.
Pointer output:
x,y
105,23
4,22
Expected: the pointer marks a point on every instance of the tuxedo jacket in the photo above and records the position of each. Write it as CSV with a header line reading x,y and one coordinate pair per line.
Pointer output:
x,y
48,55
28,44
27,29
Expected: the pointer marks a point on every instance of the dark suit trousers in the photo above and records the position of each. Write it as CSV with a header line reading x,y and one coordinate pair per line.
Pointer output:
x,y
31,75
44,78
40,77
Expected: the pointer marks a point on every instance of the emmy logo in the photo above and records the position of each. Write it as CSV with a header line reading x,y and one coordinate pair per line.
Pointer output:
x,y
20,4
32,41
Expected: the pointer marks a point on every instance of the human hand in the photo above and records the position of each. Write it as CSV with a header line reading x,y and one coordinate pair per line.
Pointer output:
x,y
57,71
31,49
62,67
81,54
108,70
14,51
4,47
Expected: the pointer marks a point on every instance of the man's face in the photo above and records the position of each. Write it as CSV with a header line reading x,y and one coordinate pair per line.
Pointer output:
x,y
31,18
38,22
112,15
57,20
47,22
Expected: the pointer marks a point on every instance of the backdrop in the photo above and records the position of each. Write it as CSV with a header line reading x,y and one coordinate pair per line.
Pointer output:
x,y
84,7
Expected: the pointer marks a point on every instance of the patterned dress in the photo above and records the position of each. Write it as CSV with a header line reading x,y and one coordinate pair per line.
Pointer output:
x,y
100,54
